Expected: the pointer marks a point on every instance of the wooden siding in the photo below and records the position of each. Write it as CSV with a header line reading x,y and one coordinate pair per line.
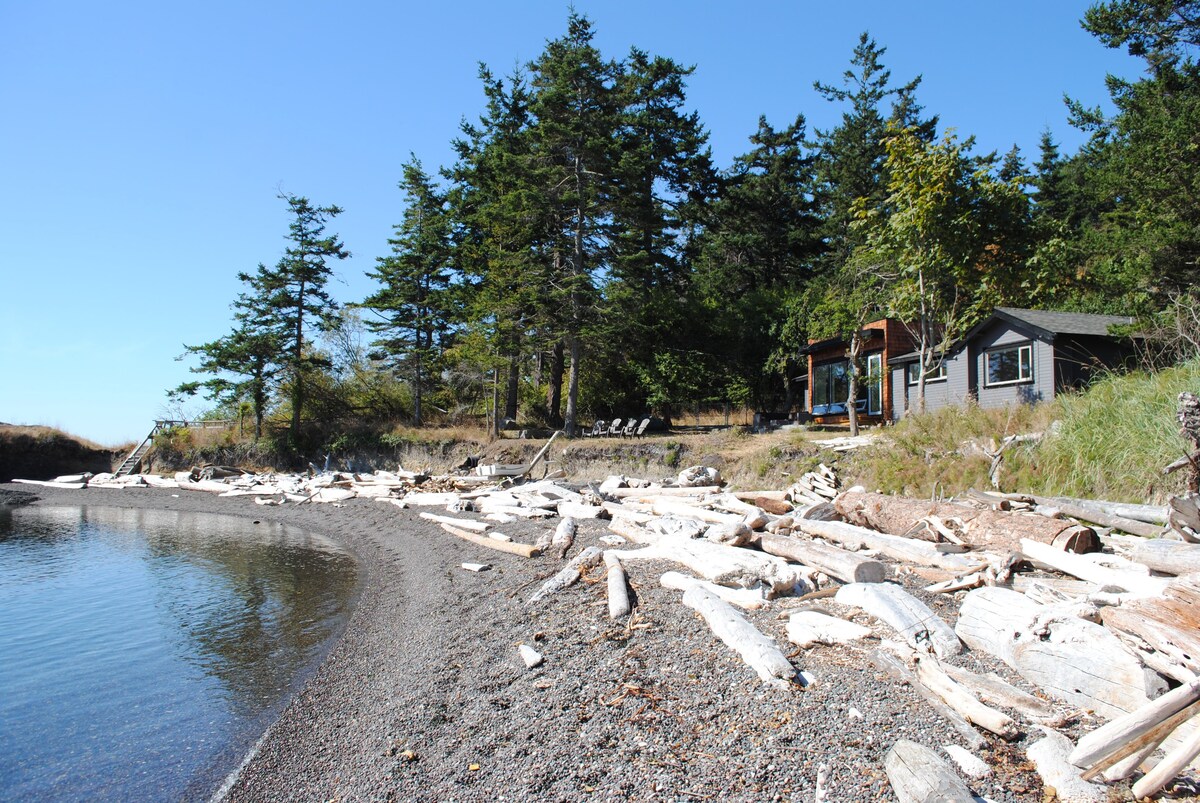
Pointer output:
x,y
1003,333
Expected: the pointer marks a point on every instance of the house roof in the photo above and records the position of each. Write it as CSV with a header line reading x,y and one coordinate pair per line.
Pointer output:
x,y
1050,323
1046,324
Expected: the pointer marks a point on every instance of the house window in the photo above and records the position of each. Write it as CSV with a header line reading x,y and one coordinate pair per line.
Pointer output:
x,y
1010,365
937,375
831,384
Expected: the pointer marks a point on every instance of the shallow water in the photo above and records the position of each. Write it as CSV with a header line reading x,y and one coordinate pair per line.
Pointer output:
x,y
143,652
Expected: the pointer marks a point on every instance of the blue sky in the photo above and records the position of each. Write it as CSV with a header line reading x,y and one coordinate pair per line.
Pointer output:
x,y
143,144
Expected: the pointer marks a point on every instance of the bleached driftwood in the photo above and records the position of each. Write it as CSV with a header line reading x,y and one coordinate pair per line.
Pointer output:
x,y
748,598
429,499
725,565
1086,569
736,534
677,507
833,561
462,524
1172,764
971,765
991,688
618,591
897,669
649,492
1066,657
919,775
1122,730
511,547
1095,515
758,651
963,701
921,553
907,615
79,486
1164,632
806,628
569,574
1168,557
579,510
564,537
1049,756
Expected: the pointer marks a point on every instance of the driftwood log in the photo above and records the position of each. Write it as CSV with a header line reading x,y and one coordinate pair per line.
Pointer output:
x,y
921,553
569,574
898,670
511,547
760,652
833,561
1164,632
919,775
1167,557
1049,756
748,598
806,628
907,615
990,529
1068,658
618,590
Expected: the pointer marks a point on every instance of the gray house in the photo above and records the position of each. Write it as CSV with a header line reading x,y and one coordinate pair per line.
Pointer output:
x,y
1016,355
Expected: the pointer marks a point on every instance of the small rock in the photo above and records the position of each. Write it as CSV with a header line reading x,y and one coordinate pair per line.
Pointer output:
x,y
476,567
530,656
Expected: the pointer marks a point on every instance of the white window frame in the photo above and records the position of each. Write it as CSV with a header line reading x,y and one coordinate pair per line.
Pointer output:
x,y
941,375
1024,361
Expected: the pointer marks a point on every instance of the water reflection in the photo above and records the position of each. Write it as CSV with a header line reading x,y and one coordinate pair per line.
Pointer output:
x,y
151,644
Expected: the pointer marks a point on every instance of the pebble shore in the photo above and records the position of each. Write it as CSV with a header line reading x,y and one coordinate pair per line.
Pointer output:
x,y
425,696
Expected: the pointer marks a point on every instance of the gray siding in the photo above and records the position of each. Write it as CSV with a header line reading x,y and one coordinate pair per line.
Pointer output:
x,y
1002,333
954,390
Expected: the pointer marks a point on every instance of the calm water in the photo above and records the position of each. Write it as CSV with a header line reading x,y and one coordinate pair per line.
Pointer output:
x,y
142,653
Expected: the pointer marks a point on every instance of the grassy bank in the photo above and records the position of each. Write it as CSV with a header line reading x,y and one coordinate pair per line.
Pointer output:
x,y
40,453
1109,442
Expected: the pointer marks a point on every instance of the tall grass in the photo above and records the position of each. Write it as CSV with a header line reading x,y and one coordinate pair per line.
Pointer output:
x,y
1109,442
1112,441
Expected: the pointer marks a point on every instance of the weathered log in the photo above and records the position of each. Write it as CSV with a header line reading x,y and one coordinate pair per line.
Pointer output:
x,y
1097,516
1125,759
911,618
564,537
750,599
994,529
579,510
758,651
1172,764
1066,657
970,764
921,553
1164,632
726,565
1049,757
569,574
618,591
1122,730
963,701
1147,514
896,668
919,775
462,524
511,547
992,688
677,507
651,492
1166,556
833,561
805,628
1087,569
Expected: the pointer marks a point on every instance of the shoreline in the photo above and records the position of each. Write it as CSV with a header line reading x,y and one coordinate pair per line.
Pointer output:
x,y
424,696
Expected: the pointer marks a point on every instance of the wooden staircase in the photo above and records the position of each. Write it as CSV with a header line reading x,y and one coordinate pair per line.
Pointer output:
x,y
130,463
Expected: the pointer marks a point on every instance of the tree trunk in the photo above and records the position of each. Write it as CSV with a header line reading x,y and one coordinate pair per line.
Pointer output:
x,y
554,388
573,387
512,388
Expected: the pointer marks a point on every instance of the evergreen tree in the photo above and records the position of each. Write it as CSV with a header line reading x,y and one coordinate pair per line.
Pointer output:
x,y
293,296
414,305
576,105
243,364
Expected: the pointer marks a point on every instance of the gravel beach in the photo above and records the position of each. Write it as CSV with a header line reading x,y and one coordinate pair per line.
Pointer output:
x,y
425,696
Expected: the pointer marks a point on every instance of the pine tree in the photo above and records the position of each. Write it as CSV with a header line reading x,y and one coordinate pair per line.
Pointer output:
x,y
293,295
414,307
576,106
